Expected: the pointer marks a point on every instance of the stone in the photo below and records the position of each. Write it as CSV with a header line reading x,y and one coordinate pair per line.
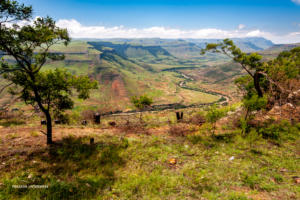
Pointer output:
x,y
172,161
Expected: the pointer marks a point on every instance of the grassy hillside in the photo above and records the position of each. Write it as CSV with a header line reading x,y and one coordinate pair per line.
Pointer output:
x,y
273,51
127,67
164,160
125,70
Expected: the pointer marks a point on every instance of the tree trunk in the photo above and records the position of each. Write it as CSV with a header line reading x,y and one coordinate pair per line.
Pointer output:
x,y
256,84
49,128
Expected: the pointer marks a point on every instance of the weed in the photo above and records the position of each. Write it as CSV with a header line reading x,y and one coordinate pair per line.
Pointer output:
x,y
279,132
34,133
253,181
238,196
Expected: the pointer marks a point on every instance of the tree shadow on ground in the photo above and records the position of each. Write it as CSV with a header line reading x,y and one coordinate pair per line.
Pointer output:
x,y
11,122
72,169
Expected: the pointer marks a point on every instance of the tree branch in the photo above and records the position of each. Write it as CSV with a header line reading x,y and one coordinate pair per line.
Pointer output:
x,y
282,90
6,86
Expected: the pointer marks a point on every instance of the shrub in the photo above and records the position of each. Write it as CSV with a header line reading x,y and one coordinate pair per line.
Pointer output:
x,y
282,131
213,115
64,118
197,119
141,102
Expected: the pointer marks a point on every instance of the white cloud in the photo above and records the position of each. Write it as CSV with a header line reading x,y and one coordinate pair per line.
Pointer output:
x,y
296,1
78,30
241,26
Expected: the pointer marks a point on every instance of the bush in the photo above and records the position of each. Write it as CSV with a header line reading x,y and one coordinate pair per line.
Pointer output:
x,y
282,131
197,119
64,118
141,102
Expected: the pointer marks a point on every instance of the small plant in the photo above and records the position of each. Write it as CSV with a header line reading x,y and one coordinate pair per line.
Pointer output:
x,y
34,133
237,196
141,103
253,136
278,178
254,103
252,181
213,115
197,119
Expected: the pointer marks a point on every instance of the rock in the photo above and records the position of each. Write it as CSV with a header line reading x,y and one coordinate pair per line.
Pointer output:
x,y
172,161
231,158
112,123
283,170
288,106
30,176
296,179
230,113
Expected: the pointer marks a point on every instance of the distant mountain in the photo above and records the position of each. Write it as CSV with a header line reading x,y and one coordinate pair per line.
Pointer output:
x,y
273,51
127,50
190,48
245,44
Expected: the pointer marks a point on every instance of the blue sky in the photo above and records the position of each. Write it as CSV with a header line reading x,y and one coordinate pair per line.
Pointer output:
x,y
278,20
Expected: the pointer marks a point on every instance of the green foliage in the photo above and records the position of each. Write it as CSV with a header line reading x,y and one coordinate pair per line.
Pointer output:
x,y
285,66
214,114
279,132
237,196
253,181
12,10
227,47
141,102
55,88
29,46
245,84
255,103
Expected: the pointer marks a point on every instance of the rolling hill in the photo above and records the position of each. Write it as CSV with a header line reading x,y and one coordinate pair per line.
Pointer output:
x,y
128,67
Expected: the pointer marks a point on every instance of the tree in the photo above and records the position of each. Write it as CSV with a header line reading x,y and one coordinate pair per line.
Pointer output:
x,y
141,102
11,11
29,46
251,63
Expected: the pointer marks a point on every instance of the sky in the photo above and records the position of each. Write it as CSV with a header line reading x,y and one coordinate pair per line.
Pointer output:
x,y
277,20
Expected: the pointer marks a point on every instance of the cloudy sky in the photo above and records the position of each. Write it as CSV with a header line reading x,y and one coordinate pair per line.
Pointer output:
x,y
277,20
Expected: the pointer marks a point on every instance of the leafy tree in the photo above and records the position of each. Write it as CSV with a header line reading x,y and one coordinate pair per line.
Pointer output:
x,y
11,11
251,63
29,46
141,102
